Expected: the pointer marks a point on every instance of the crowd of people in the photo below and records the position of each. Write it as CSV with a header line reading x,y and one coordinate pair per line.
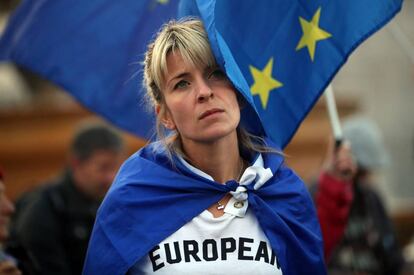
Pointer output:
x,y
207,197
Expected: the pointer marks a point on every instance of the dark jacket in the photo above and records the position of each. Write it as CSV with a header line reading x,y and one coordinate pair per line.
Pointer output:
x,y
25,261
54,224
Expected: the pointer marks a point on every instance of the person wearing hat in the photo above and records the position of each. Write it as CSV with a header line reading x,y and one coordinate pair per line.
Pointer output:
x,y
357,232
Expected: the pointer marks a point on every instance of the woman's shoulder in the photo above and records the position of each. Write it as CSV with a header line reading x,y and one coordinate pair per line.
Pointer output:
x,y
153,151
147,165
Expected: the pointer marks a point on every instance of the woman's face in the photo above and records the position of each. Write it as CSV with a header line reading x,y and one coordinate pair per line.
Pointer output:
x,y
201,103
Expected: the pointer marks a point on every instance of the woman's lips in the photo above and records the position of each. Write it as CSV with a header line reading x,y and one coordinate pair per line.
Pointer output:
x,y
210,112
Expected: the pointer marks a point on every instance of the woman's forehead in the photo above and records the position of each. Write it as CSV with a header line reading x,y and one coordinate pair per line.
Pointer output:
x,y
176,62
175,67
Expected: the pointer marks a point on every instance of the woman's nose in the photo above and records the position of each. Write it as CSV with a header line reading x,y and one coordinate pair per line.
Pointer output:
x,y
204,92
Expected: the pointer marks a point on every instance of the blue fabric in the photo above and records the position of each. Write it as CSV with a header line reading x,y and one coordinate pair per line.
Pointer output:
x,y
92,49
251,32
150,200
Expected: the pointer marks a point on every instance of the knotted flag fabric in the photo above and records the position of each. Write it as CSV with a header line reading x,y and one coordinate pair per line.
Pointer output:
x,y
92,49
281,55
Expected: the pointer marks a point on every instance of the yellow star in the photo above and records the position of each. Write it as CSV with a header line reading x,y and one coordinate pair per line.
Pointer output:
x,y
163,2
311,33
264,82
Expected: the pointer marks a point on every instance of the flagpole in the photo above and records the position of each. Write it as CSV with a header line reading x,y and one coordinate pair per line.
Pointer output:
x,y
333,115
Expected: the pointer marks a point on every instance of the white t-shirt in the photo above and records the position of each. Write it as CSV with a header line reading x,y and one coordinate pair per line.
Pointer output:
x,y
231,244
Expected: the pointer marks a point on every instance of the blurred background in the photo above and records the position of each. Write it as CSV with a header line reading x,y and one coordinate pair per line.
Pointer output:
x,y
37,119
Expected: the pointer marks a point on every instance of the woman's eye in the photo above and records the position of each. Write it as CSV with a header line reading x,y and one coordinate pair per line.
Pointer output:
x,y
181,84
218,74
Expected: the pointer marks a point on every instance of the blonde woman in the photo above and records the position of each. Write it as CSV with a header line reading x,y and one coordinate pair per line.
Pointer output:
x,y
208,197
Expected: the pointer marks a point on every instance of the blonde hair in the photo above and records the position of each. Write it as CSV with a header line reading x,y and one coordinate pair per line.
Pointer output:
x,y
189,38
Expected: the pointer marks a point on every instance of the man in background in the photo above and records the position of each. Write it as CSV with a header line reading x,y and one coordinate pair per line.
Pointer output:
x,y
54,223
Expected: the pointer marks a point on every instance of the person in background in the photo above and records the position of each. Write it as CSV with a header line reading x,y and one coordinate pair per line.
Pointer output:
x,y
408,252
13,260
54,222
357,231
8,264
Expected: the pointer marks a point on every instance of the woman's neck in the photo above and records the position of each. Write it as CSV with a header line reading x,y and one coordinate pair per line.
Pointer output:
x,y
220,159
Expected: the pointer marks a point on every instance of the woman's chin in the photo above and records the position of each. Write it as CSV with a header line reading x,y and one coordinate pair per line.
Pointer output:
x,y
215,135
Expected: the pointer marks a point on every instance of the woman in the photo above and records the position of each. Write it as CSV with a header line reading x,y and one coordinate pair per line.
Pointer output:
x,y
209,198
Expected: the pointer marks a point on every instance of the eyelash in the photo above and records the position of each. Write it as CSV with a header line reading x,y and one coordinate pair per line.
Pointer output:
x,y
180,83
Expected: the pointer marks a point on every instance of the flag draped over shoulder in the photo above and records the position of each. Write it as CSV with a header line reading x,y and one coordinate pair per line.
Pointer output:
x,y
92,49
287,51
151,199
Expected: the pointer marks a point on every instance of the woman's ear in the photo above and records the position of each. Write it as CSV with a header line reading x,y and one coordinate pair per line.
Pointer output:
x,y
165,117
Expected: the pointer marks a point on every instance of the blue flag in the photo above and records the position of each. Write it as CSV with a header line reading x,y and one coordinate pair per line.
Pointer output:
x,y
92,49
286,51
279,54
152,198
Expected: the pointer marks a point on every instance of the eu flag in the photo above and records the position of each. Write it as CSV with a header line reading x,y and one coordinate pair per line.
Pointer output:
x,y
279,54
287,52
92,49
